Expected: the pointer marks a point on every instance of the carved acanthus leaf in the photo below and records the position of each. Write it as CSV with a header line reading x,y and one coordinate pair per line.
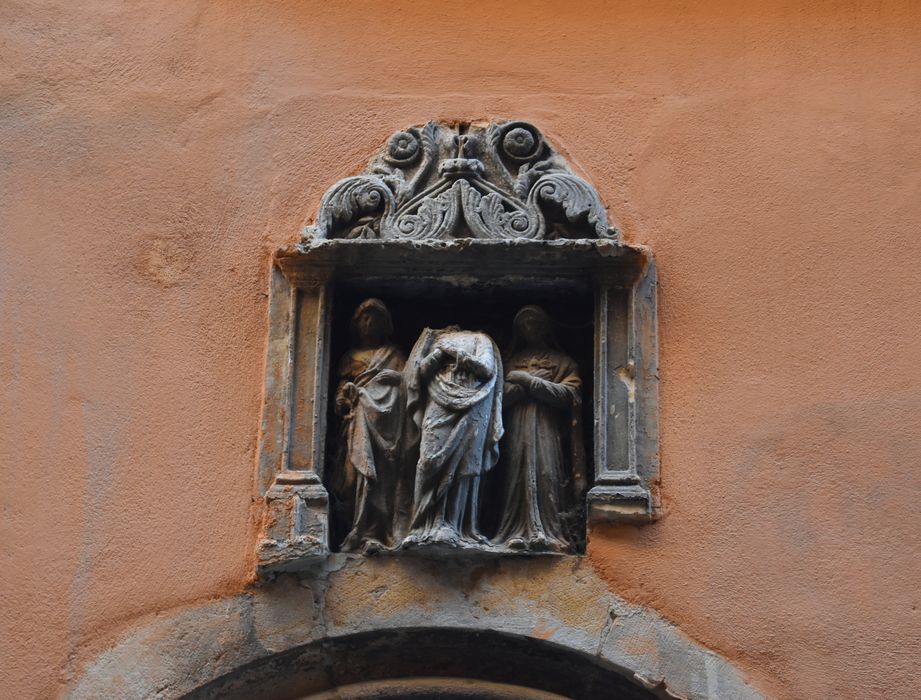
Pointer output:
x,y
433,216
495,216
576,197
350,199
443,181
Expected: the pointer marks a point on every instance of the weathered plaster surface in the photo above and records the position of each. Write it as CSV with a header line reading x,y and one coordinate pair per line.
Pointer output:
x,y
153,154
561,601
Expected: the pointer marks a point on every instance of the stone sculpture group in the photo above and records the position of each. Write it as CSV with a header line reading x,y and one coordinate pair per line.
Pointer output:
x,y
419,437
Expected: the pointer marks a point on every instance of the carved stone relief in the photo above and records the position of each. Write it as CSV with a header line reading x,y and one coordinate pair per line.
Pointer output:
x,y
494,181
454,403
370,402
458,423
417,439
546,457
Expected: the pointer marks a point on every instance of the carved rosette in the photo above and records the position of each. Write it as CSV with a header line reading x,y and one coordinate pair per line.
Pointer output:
x,y
486,181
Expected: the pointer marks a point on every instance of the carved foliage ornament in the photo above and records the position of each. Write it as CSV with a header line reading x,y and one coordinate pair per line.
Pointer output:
x,y
440,181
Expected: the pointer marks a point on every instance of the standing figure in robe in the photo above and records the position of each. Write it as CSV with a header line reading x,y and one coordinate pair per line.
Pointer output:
x,y
454,412
543,454
369,401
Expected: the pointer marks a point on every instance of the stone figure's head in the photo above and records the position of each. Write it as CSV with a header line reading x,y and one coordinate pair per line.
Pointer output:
x,y
532,326
372,325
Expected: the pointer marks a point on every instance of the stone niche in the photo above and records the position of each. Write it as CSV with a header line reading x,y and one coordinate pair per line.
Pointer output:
x,y
461,361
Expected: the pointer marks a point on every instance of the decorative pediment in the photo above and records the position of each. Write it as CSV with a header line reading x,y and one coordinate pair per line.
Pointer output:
x,y
444,181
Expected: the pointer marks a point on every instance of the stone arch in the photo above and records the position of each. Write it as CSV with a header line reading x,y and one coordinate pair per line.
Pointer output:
x,y
555,608
426,663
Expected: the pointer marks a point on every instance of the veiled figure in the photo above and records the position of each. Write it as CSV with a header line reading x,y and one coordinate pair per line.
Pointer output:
x,y
454,407
369,400
543,454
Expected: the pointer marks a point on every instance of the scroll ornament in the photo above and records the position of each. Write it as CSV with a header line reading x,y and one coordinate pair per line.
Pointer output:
x,y
440,181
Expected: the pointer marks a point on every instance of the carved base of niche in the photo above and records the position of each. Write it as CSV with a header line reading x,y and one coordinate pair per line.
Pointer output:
x,y
278,557
626,503
446,550
296,525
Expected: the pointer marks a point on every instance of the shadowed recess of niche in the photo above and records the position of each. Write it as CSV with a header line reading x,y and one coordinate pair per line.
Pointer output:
x,y
476,308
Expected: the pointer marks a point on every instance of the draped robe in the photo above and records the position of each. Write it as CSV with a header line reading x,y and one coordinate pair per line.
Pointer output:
x,y
543,453
456,422
369,439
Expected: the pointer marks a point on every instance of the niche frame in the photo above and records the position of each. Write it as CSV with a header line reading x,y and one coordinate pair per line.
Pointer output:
x,y
468,204
293,432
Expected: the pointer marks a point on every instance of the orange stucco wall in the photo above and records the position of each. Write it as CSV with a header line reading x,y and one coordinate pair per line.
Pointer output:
x,y
154,154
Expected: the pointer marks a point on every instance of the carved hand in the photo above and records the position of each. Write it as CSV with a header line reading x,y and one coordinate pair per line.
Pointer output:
x,y
523,379
345,398
472,364
464,360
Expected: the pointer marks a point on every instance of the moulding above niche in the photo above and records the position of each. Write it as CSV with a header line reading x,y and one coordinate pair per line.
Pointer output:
x,y
449,236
